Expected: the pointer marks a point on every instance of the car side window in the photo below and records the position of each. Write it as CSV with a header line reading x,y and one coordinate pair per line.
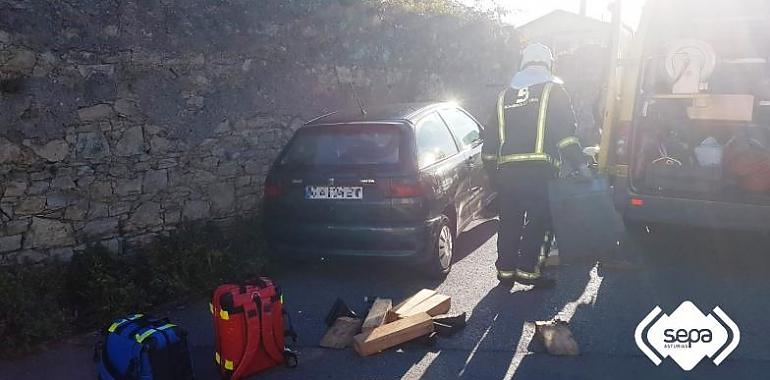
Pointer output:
x,y
464,128
434,142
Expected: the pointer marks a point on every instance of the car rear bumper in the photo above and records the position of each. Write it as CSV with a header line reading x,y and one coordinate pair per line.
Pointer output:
x,y
310,241
690,212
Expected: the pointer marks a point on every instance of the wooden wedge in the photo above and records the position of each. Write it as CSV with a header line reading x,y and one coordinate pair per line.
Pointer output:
x,y
341,334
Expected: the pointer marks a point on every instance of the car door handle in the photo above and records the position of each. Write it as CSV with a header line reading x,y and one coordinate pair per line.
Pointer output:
x,y
470,162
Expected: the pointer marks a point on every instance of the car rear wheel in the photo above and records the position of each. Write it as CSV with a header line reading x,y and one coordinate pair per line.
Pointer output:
x,y
442,250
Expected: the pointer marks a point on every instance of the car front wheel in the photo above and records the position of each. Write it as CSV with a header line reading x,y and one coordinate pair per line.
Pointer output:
x,y
442,249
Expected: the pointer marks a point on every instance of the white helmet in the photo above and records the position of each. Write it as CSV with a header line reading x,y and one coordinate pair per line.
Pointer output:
x,y
536,65
537,54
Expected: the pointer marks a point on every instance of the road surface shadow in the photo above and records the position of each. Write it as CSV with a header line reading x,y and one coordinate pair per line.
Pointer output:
x,y
671,265
500,329
470,240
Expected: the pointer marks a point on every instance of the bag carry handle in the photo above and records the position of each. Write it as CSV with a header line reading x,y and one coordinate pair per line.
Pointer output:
x,y
256,335
268,332
265,314
253,338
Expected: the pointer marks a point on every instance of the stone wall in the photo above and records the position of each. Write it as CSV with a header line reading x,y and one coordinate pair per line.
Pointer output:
x,y
119,119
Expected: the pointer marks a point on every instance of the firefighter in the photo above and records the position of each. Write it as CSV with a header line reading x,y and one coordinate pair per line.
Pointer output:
x,y
531,137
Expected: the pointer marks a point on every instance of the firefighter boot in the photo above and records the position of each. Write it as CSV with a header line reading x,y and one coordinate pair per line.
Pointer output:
x,y
506,277
548,249
535,279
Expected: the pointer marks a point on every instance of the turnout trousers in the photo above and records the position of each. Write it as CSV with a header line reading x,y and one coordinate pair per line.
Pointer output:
x,y
524,216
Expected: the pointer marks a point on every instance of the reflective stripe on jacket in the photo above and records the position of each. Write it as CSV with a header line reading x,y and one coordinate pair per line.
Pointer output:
x,y
537,125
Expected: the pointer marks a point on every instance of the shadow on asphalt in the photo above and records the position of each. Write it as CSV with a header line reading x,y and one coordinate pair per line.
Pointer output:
x,y
709,268
502,328
470,240
673,264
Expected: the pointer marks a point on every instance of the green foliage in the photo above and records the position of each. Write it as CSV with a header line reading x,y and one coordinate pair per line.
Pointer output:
x,y
198,257
442,7
248,247
42,302
100,285
185,261
31,307
418,6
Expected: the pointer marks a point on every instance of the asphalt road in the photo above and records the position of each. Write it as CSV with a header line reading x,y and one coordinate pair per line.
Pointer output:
x,y
603,306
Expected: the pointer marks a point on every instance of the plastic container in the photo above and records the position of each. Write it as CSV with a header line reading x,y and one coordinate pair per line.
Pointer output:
x,y
709,153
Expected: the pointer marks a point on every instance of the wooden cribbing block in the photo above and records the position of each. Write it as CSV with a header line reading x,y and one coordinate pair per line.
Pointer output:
x,y
410,302
341,334
377,314
434,305
392,334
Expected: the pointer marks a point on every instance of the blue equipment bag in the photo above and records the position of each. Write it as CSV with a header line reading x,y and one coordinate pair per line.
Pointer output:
x,y
138,347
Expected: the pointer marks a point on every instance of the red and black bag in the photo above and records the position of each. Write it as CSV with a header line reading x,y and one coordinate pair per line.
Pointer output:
x,y
249,328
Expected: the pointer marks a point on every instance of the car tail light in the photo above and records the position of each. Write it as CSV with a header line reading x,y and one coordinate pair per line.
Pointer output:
x,y
637,202
273,190
405,188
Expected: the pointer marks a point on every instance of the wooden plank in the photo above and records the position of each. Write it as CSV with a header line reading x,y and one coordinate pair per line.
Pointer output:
x,y
377,314
739,108
390,335
435,305
410,302
341,334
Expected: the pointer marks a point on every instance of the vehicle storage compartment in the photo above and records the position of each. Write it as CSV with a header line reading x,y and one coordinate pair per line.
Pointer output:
x,y
702,129
710,160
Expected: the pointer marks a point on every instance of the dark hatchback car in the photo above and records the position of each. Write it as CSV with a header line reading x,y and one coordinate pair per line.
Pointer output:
x,y
400,181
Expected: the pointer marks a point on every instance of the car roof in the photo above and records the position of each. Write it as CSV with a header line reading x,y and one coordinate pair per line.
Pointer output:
x,y
383,113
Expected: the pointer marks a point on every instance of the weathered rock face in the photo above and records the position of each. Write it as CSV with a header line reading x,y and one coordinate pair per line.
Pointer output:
x,y
9,152
91,145
119,120
53,151
47,233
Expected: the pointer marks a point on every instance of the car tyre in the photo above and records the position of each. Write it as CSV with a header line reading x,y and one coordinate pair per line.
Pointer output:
x,y
441,252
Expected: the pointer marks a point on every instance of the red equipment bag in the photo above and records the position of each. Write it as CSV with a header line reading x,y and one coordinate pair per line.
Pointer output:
x,y
249,329
747,158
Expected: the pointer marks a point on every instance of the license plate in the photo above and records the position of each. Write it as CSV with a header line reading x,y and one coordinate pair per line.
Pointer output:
x,y
334,192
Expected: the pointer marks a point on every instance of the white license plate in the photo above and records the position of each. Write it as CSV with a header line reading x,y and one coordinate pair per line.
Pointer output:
x,y
334,192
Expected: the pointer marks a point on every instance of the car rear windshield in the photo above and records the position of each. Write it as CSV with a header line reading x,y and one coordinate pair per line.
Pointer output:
x,y
344,146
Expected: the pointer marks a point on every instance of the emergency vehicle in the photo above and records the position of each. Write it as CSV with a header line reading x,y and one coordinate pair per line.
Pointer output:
x,y
686,133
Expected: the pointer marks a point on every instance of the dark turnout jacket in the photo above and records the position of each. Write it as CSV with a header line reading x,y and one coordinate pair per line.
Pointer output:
x,y
533,127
